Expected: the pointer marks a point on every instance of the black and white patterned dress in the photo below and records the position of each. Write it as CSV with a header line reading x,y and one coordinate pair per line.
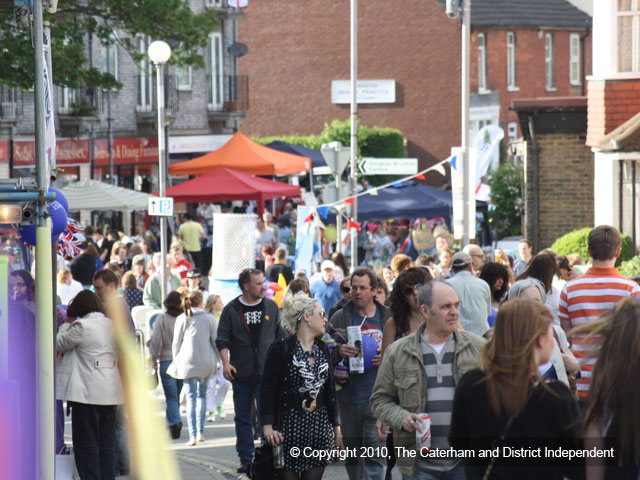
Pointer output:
x,y
307,429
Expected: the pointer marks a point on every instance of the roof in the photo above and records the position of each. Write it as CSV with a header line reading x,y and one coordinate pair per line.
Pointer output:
x,y
626,137
93,195
551,115
527,14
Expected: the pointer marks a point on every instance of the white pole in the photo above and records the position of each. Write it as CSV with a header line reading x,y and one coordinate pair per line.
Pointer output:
x,y
354,130
464,124
162,176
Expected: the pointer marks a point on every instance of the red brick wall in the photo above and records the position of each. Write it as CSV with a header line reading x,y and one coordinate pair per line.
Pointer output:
x,y
530,65
296,48
611,103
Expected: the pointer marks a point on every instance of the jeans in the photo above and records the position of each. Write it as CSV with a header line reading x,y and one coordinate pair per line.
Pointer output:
x,y
243,395
454,474
359,430
93,429
122,446
196,391
59,438
172,388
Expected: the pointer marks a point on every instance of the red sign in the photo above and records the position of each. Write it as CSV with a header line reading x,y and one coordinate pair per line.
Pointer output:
x,y
126,151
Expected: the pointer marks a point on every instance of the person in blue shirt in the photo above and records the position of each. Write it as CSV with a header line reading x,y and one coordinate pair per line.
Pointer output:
x,y
327,290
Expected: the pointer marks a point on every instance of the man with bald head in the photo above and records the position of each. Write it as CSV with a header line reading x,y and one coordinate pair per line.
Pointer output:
x,y
477,257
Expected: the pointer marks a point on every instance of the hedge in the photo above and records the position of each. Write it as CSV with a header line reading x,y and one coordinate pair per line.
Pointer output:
x,y
577,241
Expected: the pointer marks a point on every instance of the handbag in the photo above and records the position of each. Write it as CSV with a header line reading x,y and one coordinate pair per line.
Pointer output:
x,y
571,377
261,468
498,442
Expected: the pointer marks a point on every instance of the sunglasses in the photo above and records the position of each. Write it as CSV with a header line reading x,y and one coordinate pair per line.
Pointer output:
x,y
322,313
346,289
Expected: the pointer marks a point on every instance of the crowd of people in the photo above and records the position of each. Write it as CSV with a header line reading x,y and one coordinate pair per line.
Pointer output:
x,y
524,353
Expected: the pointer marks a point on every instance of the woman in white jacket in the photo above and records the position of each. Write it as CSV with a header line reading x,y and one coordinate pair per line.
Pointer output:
x,y
195,359
87,377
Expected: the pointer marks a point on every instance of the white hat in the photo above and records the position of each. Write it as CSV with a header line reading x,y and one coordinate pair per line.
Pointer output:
x,y
327,264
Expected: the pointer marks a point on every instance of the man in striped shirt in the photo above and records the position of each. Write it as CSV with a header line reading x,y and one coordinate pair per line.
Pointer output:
x,y
587,297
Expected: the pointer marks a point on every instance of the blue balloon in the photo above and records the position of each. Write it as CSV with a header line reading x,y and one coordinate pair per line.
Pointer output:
x,y
58,224
28,234
369,350
60,198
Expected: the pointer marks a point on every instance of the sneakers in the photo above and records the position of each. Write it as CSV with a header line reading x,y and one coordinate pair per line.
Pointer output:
x,y
175,430
244,466
191,442
221,413
211,417
200,437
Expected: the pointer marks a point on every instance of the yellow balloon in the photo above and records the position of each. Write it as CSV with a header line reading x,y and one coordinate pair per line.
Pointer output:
x,y
330,234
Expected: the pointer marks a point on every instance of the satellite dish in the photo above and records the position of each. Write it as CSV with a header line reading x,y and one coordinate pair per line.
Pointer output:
x,y
237,49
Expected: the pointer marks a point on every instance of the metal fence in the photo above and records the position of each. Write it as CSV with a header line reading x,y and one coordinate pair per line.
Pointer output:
x,y
228,93
146,93
10,102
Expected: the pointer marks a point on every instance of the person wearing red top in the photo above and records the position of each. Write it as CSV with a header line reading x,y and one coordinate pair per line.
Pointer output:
x,y
586,298
180,266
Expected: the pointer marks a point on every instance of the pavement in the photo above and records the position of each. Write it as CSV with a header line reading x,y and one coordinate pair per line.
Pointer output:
x,y
215,458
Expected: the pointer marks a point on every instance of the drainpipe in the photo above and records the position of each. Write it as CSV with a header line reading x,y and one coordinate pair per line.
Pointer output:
x,y
534,186
583,61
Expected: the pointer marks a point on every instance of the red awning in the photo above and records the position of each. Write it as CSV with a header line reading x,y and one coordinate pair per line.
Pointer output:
x,y
224,184
244,155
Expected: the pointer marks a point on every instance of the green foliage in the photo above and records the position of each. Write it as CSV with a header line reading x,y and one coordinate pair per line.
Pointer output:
x,y
506,196
577,242
630,268
381,142
108,22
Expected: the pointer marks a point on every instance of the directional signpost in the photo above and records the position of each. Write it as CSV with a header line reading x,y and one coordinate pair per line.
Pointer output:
x,y
161,206
388,166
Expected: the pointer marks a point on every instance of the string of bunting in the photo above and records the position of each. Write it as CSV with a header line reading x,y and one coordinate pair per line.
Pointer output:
x,y
323,210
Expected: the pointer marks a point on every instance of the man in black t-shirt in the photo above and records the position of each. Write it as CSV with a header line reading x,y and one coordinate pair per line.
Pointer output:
x,y
279,267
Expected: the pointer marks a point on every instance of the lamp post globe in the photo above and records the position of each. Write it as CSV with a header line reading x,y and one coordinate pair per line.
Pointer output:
x,y
159,52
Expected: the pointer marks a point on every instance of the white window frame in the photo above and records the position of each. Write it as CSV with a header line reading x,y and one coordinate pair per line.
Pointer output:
x,y
215,71
189,74
144,87
549,66
66,99
635,36
213,3
512,131
482,63
575,75
103,59
512,85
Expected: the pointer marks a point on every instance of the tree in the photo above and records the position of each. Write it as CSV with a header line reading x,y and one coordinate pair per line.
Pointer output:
x,y
506,196
109,22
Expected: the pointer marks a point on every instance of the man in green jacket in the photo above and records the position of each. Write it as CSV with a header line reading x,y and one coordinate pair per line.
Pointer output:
x,y
418,375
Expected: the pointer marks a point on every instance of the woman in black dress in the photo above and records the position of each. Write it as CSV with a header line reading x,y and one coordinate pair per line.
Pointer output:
x,y
297,400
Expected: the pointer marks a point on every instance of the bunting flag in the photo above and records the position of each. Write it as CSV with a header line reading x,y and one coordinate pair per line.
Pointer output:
x,y
349,200
452,161
318,223
309,219
420,177
352,224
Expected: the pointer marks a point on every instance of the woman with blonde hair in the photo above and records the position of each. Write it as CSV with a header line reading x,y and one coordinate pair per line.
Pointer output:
x,y
506,404
613,406
195,359
297,399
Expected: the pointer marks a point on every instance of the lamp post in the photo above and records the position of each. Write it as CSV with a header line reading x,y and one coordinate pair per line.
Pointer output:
x,y
159,53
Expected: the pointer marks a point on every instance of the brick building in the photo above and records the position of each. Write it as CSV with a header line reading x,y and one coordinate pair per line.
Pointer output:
x,y
524,49
614,103
559,167
297,49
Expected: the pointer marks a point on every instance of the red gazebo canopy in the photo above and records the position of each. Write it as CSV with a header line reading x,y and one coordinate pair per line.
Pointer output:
x,y
224,184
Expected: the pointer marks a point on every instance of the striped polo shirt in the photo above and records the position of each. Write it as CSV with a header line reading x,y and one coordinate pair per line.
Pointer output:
x,y
585,299
440,390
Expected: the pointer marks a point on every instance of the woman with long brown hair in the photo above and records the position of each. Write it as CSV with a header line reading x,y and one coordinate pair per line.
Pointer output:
x,y
613,406
506,404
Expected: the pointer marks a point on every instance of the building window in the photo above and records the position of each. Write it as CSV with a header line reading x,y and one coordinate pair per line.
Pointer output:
x,y
214,72
66,100
213,3
183,77
144,83
574,59
512,131
550,80
511,60
109,60
482,62
628,36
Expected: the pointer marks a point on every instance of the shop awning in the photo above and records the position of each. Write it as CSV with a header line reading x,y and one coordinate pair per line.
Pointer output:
x,y
224,184
94,195
244,155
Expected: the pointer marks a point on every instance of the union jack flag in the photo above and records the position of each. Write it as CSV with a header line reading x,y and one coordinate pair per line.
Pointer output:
x,y
74,226
69,244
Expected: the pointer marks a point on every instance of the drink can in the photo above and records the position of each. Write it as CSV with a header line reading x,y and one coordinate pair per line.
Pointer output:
x,y
423,439
278,456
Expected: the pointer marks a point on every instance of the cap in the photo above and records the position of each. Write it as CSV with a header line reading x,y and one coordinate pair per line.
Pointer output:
x,y
460,259
193,273
327,264
139,259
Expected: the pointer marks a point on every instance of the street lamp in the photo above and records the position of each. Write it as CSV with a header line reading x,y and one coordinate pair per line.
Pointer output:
x,y
159,53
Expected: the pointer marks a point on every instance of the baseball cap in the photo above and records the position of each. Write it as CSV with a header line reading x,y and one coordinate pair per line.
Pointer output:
x,y
460,259
139,259
193,273
327,264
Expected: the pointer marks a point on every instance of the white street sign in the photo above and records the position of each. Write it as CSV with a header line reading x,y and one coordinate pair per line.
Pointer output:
x,y
161,206
367,91
457,192
388,166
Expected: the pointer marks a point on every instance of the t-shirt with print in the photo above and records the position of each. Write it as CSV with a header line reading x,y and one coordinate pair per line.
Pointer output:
x,y
181,268
253,317
362,383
